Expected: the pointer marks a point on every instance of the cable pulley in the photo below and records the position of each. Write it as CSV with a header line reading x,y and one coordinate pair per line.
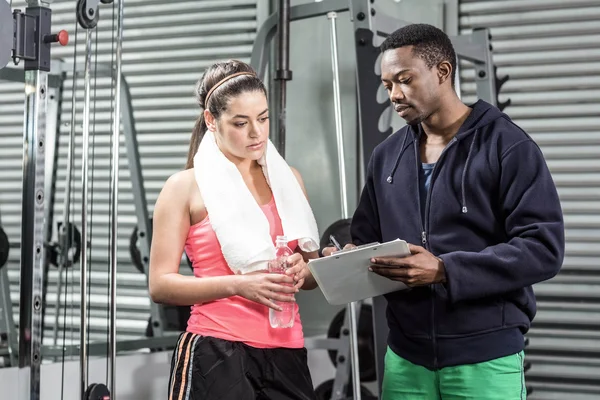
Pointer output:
x,y
70,237
87,16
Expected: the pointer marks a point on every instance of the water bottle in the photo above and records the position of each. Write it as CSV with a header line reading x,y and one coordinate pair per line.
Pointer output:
x,y
285,317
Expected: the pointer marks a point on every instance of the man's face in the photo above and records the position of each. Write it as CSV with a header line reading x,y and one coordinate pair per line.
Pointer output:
x,y
413,88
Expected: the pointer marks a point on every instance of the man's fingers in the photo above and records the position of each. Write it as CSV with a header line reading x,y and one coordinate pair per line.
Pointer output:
x,y
390,272
392,261
414,249
399,274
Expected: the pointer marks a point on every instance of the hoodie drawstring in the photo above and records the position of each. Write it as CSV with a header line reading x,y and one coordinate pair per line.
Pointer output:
x,y
390,178
463,185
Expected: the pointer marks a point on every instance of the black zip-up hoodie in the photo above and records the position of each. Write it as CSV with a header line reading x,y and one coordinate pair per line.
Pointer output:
x,y
492,214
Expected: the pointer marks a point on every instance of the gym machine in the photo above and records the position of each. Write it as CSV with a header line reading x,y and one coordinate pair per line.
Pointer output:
x,y
143,230
26,36
370,29
163,323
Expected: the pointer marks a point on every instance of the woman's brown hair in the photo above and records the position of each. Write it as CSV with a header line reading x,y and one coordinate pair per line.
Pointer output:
x,y
221,95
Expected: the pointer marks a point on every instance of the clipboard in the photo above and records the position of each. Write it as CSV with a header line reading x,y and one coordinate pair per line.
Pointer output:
x,y
344,276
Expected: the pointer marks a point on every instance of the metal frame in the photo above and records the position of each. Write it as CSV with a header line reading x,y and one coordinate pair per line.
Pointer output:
x,y
32,43
32,230
54,104
139,195
370,29
162,339
141,205
265,34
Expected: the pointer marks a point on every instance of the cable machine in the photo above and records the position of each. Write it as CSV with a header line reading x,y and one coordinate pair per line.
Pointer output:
x,y
31,42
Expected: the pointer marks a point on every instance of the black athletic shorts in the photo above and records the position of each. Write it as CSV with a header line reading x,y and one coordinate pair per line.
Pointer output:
x,y
207,368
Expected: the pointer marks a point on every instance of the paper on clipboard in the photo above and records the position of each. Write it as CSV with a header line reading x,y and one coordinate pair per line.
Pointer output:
x,y
344,276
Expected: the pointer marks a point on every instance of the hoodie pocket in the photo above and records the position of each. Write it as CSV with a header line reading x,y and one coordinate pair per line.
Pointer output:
x,y
411,312
467,317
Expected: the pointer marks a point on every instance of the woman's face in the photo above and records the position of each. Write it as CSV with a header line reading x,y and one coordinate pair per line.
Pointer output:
x,y
243,129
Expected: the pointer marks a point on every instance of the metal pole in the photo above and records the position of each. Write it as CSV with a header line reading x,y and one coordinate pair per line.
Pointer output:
x,y
332,16
32,43
83,355
114,192
351,309
261,49
32,229
283,73
139,198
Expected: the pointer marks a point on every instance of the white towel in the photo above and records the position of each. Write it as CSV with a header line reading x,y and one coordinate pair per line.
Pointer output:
x,y
240,225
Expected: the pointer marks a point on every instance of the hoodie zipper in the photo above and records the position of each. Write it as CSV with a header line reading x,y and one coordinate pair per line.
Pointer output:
x,y
425,227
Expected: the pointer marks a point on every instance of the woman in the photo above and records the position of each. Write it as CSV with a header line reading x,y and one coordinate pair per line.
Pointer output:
x,y
235,195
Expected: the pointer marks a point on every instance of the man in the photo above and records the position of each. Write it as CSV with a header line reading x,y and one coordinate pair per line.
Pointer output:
x,y
471,192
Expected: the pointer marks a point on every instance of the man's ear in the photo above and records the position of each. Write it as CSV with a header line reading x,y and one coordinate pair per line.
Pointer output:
x,y
211,122
444,70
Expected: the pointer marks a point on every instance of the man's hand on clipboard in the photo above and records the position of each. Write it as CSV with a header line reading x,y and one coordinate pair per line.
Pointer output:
x,y
419,269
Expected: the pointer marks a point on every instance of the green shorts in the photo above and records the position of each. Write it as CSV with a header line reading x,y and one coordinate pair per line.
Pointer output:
x,y
499,379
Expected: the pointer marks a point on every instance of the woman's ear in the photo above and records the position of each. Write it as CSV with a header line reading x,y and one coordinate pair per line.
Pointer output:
x,y
211,122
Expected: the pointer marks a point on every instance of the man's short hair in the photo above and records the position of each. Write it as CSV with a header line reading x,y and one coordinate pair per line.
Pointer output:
x,y
429,43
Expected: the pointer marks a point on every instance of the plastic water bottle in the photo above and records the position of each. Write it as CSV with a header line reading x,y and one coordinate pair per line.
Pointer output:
x,y
285,317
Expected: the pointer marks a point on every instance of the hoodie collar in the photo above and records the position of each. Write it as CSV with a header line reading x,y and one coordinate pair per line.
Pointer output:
x,y
482,114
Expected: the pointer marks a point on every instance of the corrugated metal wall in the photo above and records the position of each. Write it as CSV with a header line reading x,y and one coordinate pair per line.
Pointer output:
x,y
550,49
167,46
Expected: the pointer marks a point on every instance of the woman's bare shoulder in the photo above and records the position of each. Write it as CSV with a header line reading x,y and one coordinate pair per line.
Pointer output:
x,y
179,185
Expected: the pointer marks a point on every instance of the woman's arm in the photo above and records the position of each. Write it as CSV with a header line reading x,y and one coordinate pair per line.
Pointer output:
x,y
171,223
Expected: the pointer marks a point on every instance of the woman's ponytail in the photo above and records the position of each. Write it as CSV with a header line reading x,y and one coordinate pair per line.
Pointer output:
x,y
197,135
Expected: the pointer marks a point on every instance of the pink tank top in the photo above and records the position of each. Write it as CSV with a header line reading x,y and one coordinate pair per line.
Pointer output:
x,y
235,318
